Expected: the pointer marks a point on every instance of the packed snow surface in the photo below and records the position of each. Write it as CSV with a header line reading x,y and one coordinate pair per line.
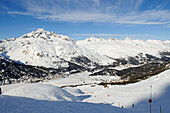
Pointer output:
x,y
94,98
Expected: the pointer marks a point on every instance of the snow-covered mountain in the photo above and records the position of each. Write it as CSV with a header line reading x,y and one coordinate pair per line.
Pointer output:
x,y
44,49
48,49
115,48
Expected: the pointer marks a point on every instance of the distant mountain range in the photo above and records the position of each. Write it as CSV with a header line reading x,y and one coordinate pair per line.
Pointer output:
x,y
49,50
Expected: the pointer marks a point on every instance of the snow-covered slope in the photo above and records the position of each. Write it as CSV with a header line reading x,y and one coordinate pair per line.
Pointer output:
x,y
115,48
42,92
36,96
11,104
48,49
126,95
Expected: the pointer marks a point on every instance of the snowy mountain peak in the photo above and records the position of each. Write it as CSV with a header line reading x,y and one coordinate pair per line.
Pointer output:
x,y
93,39
40,30
111,39
46,35
167,42
128,39
39,33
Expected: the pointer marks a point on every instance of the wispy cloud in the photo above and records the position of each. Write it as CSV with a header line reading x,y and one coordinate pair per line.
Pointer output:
x,y
79,17
19,13
3,7
110,11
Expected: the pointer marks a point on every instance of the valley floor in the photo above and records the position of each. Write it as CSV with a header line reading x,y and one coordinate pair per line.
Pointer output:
x,y
91,98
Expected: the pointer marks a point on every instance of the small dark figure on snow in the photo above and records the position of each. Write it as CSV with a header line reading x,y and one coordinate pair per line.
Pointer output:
x,y
0,90
122,106
133,105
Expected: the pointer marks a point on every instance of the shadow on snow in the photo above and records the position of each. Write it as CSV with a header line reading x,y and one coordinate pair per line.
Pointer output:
x,y
162,100
13,104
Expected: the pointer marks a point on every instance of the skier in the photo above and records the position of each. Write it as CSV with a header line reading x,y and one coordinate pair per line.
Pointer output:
x,y
133,105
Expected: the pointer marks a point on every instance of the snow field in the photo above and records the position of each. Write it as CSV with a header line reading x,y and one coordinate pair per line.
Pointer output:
x,y
126,95
94,98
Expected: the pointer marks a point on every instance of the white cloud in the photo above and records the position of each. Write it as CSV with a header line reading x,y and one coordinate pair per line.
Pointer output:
x,y
79,17
19,13
146,17
136,3
110,11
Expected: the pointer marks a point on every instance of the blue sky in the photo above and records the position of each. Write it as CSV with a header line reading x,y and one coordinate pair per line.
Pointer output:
x,y
79,19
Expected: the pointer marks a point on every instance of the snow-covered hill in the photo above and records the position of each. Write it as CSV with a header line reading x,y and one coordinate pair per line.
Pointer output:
x,y
42,92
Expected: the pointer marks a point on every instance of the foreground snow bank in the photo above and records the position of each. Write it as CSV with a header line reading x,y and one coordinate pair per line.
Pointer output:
x,y
42,92
12,104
